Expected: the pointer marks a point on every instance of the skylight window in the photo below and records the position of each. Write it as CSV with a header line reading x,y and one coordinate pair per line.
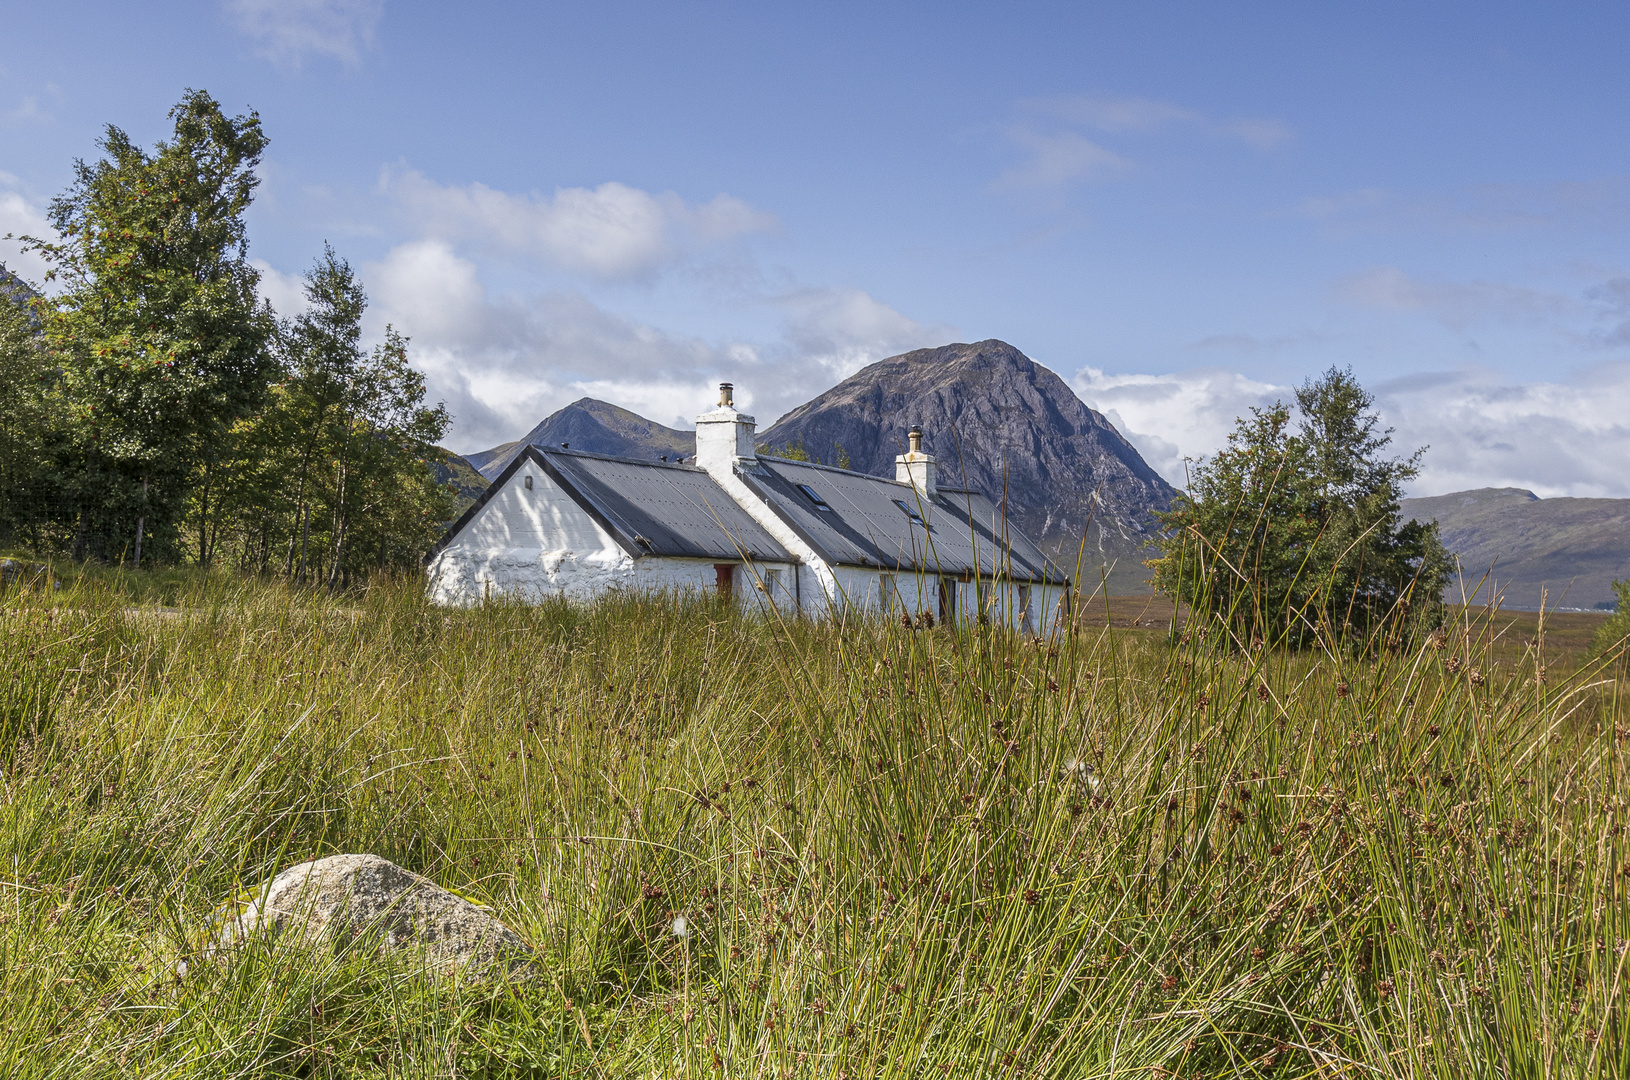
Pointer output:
x,y
820,503
911,511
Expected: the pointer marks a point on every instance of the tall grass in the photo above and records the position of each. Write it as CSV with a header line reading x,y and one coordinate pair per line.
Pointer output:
x,y
894,853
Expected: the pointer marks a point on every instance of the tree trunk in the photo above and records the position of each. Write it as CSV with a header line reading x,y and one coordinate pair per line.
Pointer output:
x,y
141,521
305,535
339,531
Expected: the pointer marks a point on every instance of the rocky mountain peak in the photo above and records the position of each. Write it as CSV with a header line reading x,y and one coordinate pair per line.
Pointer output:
x,y
1001,423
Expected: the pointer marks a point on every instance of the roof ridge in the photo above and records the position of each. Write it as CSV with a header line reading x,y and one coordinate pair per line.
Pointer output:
x,y
620,459
831,468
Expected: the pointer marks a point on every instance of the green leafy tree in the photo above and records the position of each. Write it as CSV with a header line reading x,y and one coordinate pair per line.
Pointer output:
x,y
1287,532
340,462
156,327
1614,634
30,429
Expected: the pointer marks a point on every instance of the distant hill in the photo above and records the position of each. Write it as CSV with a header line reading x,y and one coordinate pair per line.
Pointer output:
x,y
998,422
595,426
470,483
1573,548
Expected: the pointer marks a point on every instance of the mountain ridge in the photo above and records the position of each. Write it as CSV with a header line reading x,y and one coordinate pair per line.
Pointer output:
x,y
1571,548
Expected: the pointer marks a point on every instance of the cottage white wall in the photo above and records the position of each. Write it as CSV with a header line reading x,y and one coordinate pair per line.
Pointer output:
x,y
530,545
538,544
863,592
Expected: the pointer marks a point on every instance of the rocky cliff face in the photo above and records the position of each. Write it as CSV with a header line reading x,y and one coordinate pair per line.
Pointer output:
x,y
594,426
1001,423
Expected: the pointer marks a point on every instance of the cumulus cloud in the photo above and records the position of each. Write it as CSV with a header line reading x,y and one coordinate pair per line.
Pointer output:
x,y
285,292
1185,414
610,231
840,331
1554,438
1481,430
504,362
289,31
21,215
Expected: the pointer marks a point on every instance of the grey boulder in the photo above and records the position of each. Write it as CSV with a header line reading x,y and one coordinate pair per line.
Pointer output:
x,y
366,900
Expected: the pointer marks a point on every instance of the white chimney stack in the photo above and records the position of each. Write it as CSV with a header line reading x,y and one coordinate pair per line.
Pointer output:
x,y
724,436
916,468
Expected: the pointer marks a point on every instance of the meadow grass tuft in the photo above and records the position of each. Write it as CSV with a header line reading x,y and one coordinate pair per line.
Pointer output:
x,y
894,853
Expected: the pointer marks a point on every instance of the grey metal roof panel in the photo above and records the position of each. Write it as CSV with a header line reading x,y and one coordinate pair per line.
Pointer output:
x,y
865,525
661,508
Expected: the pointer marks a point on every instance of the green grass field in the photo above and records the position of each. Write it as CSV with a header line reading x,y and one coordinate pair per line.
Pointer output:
x,y
896,853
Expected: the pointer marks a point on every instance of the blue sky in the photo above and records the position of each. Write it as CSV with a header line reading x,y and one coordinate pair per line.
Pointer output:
x,y
1184,210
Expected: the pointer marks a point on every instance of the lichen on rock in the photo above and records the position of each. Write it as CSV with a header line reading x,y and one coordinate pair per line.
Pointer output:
x,y
348,900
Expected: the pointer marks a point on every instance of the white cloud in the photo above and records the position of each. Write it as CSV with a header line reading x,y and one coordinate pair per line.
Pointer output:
x,y
21,216
1174,416
611,231
503,363
841,331
1553,438
1258,132
285,292
36,108
1058,160
290,30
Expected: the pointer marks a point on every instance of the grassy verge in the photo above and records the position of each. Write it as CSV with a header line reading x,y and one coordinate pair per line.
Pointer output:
x,y
894,853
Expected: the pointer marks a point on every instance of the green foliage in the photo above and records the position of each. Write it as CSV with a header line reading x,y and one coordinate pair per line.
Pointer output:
x,y
30,422
335,474
791,451
157,329
1288,534
1611,638
152,406
898,854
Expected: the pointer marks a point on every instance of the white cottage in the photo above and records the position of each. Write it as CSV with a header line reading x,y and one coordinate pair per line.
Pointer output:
x,y
802,537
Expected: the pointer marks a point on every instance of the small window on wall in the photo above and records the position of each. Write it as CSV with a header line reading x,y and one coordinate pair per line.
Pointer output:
x,y
772,586
1027,622
724,578
529,481
948,587
886,593
985,597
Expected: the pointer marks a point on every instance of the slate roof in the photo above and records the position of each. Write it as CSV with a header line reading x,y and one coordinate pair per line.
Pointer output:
x,y
649,507
865,525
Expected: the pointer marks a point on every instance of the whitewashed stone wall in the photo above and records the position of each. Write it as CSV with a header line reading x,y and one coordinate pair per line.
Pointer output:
x,y
538,544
